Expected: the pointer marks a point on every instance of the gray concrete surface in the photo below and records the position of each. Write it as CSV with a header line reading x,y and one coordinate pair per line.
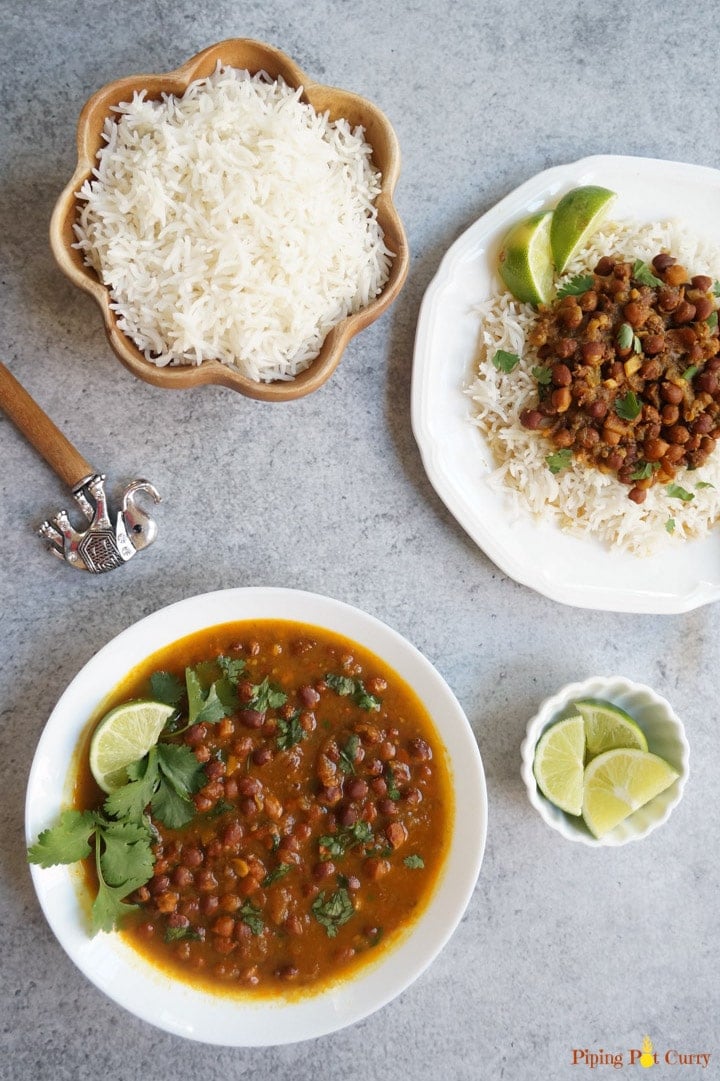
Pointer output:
x,y
561,947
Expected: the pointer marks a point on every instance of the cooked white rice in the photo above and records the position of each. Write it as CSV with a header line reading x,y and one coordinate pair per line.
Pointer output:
x,y
582,499
233,223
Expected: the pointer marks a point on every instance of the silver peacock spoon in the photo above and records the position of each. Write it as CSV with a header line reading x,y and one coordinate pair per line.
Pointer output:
x,y
102,546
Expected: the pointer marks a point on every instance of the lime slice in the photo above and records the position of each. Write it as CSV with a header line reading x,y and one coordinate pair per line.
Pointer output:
x,y
525,260
575,218
618,782
607,726
123,736
558,765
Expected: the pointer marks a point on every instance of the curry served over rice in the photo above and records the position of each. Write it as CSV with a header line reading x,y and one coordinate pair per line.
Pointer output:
x,y
318,817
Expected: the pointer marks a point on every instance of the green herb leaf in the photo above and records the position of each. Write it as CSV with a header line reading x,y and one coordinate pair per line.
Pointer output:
x,y
231,667
129,801
716,288
166,688
250,914
414,862
221,807
175,934
392,789
335,845
558,460
689,373
267,695
504,361
126,853
642,273
543,375
704,484
346,762
670,525
278,872
108,908
625,336
644,470
289,732
575,286
65,842
333,912
204,707
712,320
628,407
344,686
676,492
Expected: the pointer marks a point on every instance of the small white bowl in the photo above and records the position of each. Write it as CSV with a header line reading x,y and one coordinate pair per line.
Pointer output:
x,y
665,736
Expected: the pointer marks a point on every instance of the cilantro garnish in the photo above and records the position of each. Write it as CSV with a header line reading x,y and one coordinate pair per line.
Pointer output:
x,y
278,872
267,695
689,373
335,845
670,525
175,934
290,732
676,492
166,688
560,459
166,779
644,470
392,789
543,375
333,912
345,685
712,320
414,862
250,914
716,288
504,361
704,484
346,762
576,285
628,407
231,667
642,273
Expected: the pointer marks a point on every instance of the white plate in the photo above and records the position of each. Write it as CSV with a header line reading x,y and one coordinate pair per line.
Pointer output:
x,y
566,568
120,972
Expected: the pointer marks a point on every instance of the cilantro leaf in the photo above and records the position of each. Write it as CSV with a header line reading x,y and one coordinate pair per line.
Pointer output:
x,y
267,695
108,909
344,686
560,459
278,872
346,762
414,862
250,914
644,470
670,525
504,361
65,842
173,810
204,707
129,801
290,732
576,285
334,912
704,484
179,775
689,373
392,789
676,492
126,854
712,320
166,688
628,407
716,288
334,845
642,273
231,667
175,934
542,374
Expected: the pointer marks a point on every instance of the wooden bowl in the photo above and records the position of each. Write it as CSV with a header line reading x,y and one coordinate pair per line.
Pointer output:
x,y
252,56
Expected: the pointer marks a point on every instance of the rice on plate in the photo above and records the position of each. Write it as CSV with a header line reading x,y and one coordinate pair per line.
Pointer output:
x,y
234,223
581,499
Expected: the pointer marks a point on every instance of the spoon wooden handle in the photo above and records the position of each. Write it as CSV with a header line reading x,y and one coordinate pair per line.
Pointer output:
x,y
38,429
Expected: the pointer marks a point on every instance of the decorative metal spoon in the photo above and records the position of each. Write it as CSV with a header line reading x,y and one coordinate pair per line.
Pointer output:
x,y
102,546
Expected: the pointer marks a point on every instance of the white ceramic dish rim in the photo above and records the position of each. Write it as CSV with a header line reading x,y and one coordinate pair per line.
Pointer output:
x,y
566,568
624,693
116,969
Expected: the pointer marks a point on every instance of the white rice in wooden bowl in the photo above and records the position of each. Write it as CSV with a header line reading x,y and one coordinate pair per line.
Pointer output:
x,y
234,224
581,499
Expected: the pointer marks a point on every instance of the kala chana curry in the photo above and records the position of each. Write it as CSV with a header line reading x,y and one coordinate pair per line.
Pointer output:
x,y
629,379
296,808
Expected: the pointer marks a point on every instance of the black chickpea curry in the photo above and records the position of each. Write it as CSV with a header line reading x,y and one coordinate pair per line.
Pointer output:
x,y
289,823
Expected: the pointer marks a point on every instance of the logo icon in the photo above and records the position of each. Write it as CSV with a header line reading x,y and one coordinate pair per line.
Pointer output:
x,y
647,1058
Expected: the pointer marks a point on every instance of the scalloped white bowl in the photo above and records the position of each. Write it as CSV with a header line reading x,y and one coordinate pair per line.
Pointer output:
x,y
665,735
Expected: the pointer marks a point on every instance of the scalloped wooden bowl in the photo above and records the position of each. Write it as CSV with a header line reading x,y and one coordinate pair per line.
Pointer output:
x,y
253,56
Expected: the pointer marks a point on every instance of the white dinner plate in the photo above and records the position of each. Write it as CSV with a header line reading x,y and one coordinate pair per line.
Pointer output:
x,y
115,968
575,570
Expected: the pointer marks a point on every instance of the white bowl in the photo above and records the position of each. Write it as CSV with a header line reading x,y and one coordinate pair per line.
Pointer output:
x,y
665,736
118,970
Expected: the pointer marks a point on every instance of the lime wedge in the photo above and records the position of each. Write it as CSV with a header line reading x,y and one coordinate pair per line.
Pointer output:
x,y
123,736
607,726
575,218
619,782
558,765
525,260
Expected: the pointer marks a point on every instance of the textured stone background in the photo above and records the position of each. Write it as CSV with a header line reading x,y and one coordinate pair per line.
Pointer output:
x,y
561,947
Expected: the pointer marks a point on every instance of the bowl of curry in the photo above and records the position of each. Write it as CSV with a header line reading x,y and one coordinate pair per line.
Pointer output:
x,y
301,858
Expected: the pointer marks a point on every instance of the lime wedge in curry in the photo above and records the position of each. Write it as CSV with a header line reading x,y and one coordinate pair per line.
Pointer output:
x,y
525,260
607,726
619,782
575,219
123,736
558,765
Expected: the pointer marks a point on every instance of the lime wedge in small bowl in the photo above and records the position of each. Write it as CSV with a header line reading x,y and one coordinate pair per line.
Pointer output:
x,y
608,726
575,219
619,782
123,736
525,260
558,765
